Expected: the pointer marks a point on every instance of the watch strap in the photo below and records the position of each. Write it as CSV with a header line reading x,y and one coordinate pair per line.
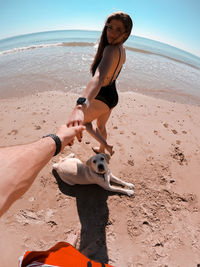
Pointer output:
x,y
82,101
87,103
57,141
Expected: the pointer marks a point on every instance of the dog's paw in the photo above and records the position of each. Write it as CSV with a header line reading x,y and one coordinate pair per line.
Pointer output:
x,y
130,193
55,166
131,186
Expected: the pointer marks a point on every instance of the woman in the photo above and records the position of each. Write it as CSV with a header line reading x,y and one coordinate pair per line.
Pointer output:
x,y
100,95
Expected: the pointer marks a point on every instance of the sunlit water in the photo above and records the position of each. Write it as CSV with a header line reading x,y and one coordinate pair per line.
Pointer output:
x,y
60,60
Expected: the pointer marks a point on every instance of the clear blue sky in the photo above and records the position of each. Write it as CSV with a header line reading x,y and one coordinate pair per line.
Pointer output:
x,y
175,22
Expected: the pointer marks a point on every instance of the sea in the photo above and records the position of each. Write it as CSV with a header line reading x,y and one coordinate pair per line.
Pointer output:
x,y
60,61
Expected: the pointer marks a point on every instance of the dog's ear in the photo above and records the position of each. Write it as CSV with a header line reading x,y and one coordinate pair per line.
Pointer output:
x,y
95,151
107,157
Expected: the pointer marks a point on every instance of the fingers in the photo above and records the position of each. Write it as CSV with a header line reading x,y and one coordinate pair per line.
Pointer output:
x,y
79,132
71,142
79,136
76,123
67,134
76,120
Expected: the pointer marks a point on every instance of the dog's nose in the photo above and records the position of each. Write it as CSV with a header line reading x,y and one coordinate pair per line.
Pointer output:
x,y
101,167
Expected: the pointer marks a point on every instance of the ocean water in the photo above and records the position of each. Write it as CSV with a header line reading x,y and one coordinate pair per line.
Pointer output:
x,y
60,60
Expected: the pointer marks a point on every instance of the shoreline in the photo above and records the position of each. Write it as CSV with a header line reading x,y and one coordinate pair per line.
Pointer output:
x,y
161,55
175,97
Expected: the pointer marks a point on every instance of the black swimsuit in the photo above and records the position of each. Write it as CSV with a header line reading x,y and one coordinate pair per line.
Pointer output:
x,y
108,94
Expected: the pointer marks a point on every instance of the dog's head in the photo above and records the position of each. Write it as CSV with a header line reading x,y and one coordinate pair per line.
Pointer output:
x,y
99,163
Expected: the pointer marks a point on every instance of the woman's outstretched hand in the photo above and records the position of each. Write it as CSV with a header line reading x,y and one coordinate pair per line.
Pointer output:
x,y
76,119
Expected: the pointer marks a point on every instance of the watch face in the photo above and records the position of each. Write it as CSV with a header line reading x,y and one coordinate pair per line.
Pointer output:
x,y
81,100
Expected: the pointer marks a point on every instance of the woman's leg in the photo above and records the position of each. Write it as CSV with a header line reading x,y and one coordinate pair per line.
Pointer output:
x,y
101,127
100,111
96,134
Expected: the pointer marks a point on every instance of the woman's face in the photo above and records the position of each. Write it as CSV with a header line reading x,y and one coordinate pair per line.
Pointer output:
x,y
115,31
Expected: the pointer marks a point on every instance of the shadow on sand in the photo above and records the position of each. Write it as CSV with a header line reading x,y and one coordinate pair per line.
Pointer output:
x,y
93,212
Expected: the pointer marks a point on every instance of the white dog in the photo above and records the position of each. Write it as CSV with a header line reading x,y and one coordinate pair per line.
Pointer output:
x,y
72,171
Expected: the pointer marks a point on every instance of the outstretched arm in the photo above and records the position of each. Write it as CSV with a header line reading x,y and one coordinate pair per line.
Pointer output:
x,y
110,56
21,164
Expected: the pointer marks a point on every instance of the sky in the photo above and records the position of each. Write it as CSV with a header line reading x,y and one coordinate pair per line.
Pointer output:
x,y
175,22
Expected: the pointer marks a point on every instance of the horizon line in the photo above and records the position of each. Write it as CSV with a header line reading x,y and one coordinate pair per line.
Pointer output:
x,y
23,34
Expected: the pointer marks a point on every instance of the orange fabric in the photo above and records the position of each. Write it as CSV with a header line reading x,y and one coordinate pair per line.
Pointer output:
x,y
62,254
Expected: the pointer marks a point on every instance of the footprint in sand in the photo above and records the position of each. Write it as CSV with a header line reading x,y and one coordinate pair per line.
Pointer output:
x,y
166,125
179,155
174,132
37,127
29,217
120,147
131,162
157,134
51,223
13,132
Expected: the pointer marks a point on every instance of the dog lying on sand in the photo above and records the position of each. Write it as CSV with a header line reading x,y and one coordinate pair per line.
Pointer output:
x,y
72,171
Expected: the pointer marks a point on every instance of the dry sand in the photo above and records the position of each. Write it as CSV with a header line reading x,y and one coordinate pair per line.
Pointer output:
x,y
157,147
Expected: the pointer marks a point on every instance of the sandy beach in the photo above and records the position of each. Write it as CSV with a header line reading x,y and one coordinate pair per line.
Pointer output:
x,y
157,149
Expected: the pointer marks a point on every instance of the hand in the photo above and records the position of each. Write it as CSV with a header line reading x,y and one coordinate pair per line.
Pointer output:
x,y
76,119
67,134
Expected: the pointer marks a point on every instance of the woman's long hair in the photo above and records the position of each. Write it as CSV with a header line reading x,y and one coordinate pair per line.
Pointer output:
x,y
127,22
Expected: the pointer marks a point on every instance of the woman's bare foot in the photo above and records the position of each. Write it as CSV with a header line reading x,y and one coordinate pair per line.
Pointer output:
x,y
110,149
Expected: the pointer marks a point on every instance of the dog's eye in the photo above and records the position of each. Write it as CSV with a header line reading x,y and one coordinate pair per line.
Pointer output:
x,y
94,161
102,159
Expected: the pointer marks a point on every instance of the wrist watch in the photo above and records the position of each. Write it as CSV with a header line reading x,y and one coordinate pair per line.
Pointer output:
x,y
82,101
56,140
